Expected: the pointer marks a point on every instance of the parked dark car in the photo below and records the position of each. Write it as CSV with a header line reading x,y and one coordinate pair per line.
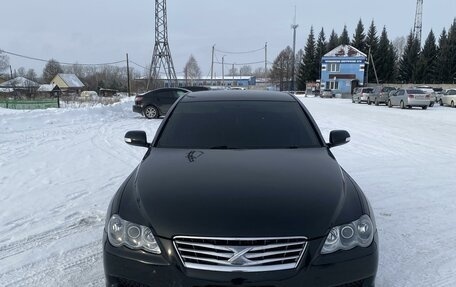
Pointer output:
x,y
239,188
156,103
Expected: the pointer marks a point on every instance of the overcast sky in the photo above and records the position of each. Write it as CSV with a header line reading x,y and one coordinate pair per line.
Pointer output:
x,y
101,31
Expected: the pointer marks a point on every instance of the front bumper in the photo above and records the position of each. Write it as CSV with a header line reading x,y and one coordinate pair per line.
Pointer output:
x,y
125,267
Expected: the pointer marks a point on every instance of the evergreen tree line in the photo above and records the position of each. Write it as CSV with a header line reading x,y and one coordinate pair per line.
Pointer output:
x,y
434,62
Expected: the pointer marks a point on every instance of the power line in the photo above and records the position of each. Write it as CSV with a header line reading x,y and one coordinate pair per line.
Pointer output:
x,y
241,64
246,52
62,63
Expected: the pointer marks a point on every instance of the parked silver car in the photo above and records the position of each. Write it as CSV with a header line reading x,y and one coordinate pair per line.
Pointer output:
x,y
430,91
380,95
361,95
327,93
449,98
409,98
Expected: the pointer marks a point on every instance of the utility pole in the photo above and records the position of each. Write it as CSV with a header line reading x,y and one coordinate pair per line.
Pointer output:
x,y
294,27
212,64
369,58
232,84
128,76
265,59
223,70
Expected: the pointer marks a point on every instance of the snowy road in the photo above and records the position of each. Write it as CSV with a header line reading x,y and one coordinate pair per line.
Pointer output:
x,y
59,169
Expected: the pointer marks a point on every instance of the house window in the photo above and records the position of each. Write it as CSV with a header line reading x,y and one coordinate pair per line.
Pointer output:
x,y
361,67
323,67
334,67
334,85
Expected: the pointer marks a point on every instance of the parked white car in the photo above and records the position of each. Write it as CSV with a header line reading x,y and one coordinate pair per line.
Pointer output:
x,y
410,98
449,98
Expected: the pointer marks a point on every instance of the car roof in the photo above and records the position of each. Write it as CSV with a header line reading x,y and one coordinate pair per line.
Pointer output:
x,y
237,95
166,89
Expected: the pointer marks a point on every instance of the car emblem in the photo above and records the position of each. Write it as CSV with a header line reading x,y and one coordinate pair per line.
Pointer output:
x,y
238,257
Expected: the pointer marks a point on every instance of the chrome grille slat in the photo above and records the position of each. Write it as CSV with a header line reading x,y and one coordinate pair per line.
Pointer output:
x,y
275,260
240,254
209,246
224,255
272,246
207,260
265,254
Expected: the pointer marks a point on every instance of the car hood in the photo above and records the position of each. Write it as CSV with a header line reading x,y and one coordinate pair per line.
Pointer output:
x,y
239,193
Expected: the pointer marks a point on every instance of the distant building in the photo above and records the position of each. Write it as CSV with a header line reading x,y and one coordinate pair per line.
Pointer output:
x,y
19,87
342,69
229,81
50,90
68,83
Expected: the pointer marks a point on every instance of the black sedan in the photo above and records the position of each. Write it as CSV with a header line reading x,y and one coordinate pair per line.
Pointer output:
x,y
156,103
239,188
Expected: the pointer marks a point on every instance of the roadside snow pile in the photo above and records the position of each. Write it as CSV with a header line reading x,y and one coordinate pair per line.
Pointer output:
x,y
60,167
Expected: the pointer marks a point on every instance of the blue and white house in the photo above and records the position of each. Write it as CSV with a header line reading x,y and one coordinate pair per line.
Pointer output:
x,y
342,69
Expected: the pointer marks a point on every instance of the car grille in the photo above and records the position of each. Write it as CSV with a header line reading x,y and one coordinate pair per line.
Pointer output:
x,y
240,254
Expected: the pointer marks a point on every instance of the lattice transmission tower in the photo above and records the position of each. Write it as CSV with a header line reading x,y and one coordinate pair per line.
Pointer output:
x,y
417,29
161,57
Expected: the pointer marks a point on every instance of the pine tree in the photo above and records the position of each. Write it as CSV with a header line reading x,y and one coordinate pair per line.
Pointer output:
x,y
344,39
320,51
426,66
359,38
333,41
441,57
451,77
372,46
407,63
385,59
308,71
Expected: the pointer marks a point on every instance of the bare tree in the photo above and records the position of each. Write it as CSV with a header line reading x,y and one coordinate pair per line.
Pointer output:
x,y
51,69
20,72
4,61
31,75
259,73
191,70
399,45
246,70
233,71
281,69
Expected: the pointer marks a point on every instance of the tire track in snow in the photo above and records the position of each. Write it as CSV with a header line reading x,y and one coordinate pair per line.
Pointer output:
x,y
48,236
55,270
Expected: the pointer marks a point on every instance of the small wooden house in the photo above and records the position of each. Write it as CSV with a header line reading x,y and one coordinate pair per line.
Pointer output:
x,y
68,83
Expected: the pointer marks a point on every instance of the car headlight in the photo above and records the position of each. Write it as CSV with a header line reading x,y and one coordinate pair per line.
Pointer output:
x,y
133,236
348,236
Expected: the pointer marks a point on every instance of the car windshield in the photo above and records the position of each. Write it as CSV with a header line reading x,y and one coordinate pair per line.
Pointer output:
x,y
238,125
368,90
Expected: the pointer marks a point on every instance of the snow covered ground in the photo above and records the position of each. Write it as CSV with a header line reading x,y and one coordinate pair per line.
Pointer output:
x,y
60,167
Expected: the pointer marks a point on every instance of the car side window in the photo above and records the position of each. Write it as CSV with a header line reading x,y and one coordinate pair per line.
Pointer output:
x,y
400,93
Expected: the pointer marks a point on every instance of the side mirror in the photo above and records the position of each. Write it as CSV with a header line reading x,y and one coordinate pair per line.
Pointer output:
x,y
136,138
338,137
